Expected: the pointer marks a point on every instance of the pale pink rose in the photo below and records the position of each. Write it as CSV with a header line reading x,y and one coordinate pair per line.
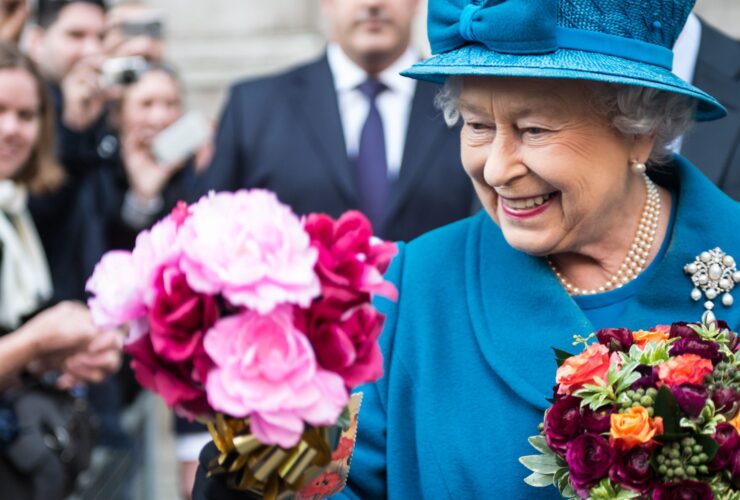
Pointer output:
x,y
251,248
154,249
117,290
265,369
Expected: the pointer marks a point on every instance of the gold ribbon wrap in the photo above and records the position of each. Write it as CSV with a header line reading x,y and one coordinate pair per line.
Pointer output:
x,y
268,471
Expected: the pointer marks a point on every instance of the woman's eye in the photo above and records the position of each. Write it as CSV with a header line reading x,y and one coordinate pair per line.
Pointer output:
x,y
477,127
534,130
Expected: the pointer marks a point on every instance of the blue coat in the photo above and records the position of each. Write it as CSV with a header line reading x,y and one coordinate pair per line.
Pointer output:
x,y
468,364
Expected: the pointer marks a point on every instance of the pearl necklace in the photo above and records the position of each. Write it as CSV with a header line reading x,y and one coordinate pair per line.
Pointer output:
x,y
638,252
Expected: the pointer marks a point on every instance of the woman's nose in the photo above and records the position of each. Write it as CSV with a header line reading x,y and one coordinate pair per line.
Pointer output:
x,y
503,163
9,123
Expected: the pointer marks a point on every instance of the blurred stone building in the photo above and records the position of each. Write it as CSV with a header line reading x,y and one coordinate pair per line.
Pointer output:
x,y
216,42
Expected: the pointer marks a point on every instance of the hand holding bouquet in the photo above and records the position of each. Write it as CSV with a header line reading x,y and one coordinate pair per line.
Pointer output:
x,y
244,316
645,414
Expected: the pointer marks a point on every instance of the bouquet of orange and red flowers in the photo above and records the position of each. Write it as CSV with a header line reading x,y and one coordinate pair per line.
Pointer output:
x,y
644,414
258,322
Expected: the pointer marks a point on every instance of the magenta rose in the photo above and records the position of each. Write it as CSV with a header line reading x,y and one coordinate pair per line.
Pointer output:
x,y
589,458
563,422
179,384
728,441
179,317
704,348
351,262
691,398
685,490
616,339
347,343
632,469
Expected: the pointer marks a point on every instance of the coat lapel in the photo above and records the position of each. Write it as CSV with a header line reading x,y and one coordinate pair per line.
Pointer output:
x,y
513,295
424,136
710,145
315,102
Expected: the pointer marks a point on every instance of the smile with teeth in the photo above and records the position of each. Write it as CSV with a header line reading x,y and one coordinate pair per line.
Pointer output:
x,y
527,203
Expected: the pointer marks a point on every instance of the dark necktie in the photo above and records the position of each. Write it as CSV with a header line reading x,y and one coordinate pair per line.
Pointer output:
x,y
372,168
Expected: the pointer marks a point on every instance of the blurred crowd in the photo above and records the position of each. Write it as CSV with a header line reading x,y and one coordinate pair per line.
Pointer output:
x,y
96,145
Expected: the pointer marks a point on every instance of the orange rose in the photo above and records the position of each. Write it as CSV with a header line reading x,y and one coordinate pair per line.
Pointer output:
x,y
634,427
642,337
583,368
735,422
685,369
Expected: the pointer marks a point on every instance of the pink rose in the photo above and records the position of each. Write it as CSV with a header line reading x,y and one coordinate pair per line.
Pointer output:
x,y
179,384
118,292
351,262
179,318
251,248
582,369
266,370
154,249
346,342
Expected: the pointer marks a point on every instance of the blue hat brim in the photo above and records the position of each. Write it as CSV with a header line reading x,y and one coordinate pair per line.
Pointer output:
x,y
476,60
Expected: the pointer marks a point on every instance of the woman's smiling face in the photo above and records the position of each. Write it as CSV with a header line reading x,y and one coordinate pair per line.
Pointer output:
x,y
548,168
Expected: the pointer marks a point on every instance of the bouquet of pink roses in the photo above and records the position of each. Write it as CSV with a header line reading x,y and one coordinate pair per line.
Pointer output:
x,y
243,315
645,414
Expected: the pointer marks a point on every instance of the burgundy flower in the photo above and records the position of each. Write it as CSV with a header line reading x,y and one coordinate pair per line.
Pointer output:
x,y
589,458
728,441
691,398
704,348
598,421
735,469
616,339
346,342
648,380
562,423
179,317
685,490
682,330
632,469
726,400
173,381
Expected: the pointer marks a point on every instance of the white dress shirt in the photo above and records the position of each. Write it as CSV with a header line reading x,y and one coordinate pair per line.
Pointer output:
x,y
394,104
685,53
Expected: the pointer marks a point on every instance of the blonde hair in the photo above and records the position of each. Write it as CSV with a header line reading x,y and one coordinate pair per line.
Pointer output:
x,y
42,172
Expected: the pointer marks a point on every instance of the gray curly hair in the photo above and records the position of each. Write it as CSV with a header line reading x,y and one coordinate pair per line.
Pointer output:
x,y
630,109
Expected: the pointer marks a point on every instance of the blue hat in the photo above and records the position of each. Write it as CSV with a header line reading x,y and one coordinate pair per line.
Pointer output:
x,y
614,41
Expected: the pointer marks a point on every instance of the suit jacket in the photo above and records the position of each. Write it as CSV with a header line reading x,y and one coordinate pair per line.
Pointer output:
x,y
714,147
284,133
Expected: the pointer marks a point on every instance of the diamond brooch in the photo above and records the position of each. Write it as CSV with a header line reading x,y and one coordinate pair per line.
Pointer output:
x,y
713,273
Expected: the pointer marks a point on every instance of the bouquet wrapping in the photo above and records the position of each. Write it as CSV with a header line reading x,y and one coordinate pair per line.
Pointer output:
x,y
644,414
259,323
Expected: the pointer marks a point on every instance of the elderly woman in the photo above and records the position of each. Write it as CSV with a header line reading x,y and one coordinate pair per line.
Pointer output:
x,y
569,111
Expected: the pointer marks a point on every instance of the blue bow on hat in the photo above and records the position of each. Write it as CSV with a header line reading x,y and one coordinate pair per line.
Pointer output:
x,y
513,26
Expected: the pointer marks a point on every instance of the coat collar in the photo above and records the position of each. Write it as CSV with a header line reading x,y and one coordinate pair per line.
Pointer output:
x,y
513,295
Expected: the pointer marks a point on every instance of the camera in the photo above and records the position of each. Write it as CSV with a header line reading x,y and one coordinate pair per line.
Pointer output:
x,y
123,70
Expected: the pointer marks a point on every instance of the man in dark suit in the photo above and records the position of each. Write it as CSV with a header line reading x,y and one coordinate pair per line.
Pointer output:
x,y
714,147
307,134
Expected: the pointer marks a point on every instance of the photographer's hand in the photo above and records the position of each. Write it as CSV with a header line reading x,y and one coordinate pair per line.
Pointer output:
x,y
84,98
146,177
13,18
101,358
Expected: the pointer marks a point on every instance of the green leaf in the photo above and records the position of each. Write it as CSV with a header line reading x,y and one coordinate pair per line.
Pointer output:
x,y
538,480
540,444
561,356
562,473
544,464
709,445
666,407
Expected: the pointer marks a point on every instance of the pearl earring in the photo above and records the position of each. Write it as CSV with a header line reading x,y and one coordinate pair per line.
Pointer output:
x,y
638,167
